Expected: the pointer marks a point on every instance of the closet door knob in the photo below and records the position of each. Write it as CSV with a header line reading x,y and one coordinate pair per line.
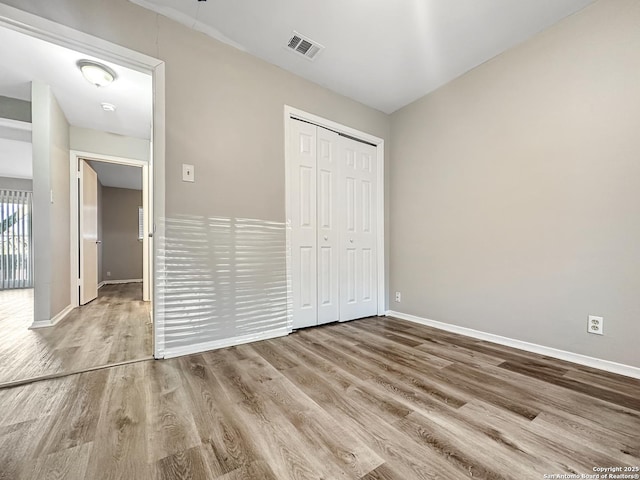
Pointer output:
x,y
326,238
351,240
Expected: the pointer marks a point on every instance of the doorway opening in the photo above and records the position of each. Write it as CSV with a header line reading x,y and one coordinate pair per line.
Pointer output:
x,y
54,94
111,224
111,264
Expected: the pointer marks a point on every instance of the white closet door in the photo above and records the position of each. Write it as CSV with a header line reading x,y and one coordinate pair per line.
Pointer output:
x,y
328,232
303,150
358,190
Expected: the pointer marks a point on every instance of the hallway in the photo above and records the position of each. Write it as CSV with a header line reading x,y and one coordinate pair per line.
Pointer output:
x,y
113,328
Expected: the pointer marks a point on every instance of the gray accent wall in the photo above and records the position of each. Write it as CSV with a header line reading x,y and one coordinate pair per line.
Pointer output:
x,y
51,216
15,109
121,249
515,198
16,184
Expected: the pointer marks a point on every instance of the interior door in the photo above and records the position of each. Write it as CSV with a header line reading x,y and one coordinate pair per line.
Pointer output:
x,y
358,267
88,233
327,226
302,177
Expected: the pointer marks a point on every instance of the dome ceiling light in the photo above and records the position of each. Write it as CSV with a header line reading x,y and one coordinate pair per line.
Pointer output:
x,y
96,73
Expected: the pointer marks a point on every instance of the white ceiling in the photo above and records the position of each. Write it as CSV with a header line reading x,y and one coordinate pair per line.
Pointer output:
x,y
384,54
24,59
120,176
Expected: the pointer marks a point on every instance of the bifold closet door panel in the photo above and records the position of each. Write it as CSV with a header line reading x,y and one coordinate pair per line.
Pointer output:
x,y
333,190
327,224
303,165
358,268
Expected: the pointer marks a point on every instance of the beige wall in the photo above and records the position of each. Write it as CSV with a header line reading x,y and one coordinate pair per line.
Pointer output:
x,y
121,249
515,203
51,222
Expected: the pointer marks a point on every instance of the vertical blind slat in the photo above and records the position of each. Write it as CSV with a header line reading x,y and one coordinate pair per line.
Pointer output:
x,y
15,254
3,216
19,256
5,210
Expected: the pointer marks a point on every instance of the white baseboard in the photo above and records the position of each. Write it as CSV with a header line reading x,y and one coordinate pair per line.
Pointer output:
x,y
598,363
50,323
101,284
117,282
227,342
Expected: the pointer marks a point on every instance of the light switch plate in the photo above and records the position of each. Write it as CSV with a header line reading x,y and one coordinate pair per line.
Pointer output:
x,y
188,173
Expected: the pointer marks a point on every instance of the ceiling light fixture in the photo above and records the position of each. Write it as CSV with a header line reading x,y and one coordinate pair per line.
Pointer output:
x,y
108,107
96,73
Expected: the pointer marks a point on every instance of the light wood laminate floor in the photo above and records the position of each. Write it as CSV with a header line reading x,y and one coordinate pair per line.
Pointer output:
x,y
370,399
113,328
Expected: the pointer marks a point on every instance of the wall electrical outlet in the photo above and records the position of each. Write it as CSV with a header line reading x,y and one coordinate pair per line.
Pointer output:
x,y
108,274
398,297
595,325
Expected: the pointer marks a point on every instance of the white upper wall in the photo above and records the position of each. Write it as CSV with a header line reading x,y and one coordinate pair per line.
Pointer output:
x,y
15,159
15,139
93,141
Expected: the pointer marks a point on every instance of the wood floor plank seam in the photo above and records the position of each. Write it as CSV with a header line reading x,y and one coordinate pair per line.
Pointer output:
x,y
54,376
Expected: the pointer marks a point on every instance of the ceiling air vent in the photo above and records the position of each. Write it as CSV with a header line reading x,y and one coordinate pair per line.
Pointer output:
x,y
304,46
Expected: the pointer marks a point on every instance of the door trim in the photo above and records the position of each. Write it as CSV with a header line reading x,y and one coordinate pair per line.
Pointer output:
x,y
74,157
292,112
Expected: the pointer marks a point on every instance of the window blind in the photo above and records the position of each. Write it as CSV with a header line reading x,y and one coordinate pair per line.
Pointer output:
x,y
16,250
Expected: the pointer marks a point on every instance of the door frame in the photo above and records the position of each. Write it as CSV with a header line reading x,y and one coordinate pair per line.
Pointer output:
x,y
50,31
292,112
74,158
